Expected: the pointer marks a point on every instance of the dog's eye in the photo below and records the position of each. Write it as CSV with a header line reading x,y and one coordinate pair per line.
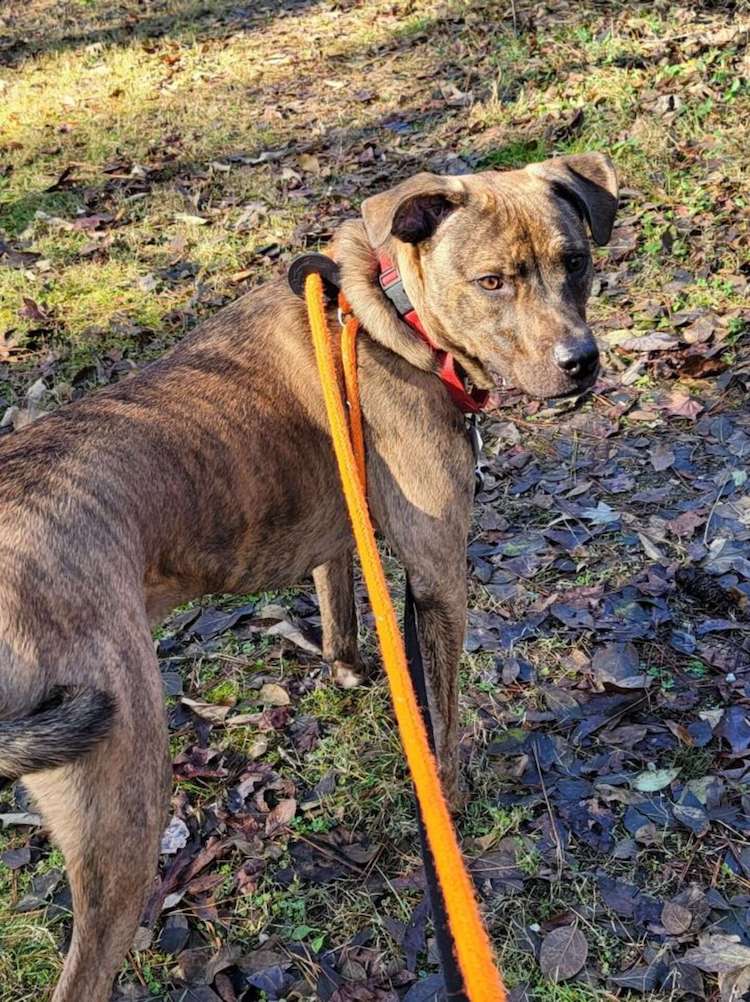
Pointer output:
x,y
491,283
575,263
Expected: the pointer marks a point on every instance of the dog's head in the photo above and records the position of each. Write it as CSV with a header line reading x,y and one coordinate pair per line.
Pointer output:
x,y
498,266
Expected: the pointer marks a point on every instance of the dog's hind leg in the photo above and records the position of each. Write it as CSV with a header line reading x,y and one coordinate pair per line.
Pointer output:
x,y
106,811
334,583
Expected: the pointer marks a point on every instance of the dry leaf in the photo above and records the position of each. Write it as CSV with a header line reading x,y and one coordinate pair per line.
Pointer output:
x,y
719,954
212,712
682,405
649,342
650,548
654,779
281,815
185,217
290,632
309,163
563,953
675,918
175,837
735,985
661,456
274,695
32,311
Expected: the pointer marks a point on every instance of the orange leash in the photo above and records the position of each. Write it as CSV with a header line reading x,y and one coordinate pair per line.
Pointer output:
x,y
473,950
351,385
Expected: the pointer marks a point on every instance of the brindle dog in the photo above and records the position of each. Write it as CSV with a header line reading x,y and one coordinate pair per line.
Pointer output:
x,y
212,471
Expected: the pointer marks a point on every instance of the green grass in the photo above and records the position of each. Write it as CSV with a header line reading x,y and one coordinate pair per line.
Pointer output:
x,y
158,126
29,957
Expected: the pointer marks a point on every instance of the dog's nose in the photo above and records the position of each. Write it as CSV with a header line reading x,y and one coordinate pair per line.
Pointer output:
x,y
578,359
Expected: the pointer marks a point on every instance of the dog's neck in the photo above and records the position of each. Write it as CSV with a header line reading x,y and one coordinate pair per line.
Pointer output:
x,y
359,283
372,283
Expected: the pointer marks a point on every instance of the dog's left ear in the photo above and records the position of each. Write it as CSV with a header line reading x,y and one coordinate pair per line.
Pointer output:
x,y
588,181
413,210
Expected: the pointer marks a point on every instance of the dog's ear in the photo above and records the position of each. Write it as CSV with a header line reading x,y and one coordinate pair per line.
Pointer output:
x,y
589,183
413,210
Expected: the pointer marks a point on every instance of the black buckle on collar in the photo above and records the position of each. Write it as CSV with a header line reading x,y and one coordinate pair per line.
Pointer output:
x,y
310,264
398,296
393,287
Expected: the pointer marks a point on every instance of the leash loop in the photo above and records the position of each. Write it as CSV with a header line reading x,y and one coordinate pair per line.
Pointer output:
x,y
349,331
473,952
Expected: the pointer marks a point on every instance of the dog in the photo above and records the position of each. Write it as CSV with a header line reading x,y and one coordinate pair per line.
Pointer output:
x,y
212,471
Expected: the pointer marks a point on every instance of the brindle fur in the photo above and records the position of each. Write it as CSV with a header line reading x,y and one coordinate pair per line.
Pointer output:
x,y
212,471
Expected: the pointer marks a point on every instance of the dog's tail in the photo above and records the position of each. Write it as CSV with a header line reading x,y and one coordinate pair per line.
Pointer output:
x,y
69,723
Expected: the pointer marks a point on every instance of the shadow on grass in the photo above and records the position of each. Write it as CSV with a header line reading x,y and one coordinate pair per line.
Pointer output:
x,y
76,24
31,27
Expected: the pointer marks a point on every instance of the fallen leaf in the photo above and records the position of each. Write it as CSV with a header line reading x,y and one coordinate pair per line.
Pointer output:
x,y
719,954
88,223
735,729
258,748
186,217
649,547
653,780
146,283
174,934
281,815
65,177
14,859
649,342
601,515
624,242
211,621
618,665
682,405
693,818
274,695
643,978
175,837
563,953
309,163
675,918
10,349
20,818
685,524
683,979
734,986
290,632
661,456
215,713
31,310
194,993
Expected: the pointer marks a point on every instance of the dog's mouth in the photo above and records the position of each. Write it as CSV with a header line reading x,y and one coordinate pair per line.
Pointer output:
x,y
543,378
552,387
581,388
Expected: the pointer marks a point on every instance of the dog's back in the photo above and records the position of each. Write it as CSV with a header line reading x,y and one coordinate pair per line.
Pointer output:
x,y
191,477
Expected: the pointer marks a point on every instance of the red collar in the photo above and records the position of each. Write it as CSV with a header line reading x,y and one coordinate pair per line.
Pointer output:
x,y
469,401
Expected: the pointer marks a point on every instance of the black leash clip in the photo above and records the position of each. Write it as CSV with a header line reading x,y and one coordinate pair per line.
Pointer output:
x,y
472,428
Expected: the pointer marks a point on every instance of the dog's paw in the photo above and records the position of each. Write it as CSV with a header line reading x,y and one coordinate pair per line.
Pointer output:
x,y
346,675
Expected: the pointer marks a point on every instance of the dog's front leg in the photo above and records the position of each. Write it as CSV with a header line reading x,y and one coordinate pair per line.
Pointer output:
x,y
334,583
432,548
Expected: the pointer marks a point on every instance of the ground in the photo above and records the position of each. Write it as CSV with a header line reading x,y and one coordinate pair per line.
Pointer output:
x,y
158,159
